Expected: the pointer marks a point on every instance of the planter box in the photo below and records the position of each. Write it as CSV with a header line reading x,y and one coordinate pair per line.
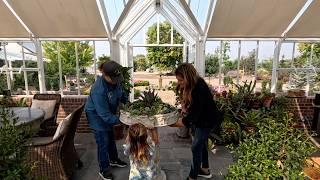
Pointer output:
x,y
158,120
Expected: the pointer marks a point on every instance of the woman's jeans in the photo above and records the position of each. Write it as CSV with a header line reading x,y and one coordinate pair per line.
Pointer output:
x,y
199,151
107,149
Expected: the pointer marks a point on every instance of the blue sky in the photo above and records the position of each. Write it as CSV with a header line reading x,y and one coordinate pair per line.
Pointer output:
x,y
199,9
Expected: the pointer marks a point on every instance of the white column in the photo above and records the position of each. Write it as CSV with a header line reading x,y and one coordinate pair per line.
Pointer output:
x,y
123,60
158,28
11,71
77,66
115,53
95,60
238,64
60,69
26,85
7,65
275,63
130,64
185,52
293,52
256,61
199,60
308,72
220,64
42,84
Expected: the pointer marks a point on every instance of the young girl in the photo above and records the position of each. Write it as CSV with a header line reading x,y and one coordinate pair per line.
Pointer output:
x,y
143,152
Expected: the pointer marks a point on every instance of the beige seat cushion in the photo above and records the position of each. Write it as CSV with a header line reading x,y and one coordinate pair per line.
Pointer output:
x,y
62,127
46,105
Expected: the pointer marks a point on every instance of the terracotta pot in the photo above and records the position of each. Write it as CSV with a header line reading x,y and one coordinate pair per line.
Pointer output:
x,y
118,131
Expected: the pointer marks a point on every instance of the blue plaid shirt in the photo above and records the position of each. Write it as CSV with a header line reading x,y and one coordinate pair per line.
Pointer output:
x,y
102,104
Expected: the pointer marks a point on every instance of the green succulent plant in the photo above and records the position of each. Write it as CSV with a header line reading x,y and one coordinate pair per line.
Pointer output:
x,y
149,98
149,104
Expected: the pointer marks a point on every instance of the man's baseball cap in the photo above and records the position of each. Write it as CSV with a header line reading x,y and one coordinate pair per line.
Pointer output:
x,y
113,69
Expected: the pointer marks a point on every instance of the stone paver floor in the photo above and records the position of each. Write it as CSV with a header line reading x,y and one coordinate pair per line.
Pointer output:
x,y
175,158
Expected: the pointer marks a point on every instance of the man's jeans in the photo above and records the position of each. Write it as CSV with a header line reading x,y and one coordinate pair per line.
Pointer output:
x,y
199,151
107,149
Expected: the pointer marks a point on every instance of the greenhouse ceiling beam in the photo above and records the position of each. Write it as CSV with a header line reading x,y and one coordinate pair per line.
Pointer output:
x,y
105,21
242,39
130,21
210,12
302,40
183,30
140,21
185,21
74,39
191,16
14,39
31,34
124,15
156,45
296,18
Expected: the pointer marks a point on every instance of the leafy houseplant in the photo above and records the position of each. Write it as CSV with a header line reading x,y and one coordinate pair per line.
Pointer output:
x,y
250,119
277,151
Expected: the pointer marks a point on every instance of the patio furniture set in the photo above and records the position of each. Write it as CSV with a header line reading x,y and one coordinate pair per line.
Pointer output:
x,y
51,152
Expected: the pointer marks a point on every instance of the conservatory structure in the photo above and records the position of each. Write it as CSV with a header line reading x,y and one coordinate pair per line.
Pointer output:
x,y
251,53
35,22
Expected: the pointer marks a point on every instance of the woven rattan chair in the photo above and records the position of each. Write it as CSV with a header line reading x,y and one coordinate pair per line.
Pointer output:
x,y
56,158
49,125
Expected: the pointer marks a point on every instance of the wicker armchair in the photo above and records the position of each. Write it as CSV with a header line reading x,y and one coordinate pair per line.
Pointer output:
x,y
49,125
56,158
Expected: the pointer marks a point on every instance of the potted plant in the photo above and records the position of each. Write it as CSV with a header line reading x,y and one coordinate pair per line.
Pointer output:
x,y
249,120
150,111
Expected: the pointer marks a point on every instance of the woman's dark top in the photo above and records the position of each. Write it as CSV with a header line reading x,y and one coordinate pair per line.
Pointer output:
x,y
202,112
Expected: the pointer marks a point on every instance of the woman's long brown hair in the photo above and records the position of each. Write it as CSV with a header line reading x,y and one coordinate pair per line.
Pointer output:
x,y
139,147
190,76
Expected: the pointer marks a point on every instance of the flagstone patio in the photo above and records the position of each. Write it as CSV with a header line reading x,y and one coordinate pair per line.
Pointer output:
x,y
175,157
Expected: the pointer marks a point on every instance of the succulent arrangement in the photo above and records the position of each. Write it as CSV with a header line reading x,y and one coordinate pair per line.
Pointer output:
x,y
149,104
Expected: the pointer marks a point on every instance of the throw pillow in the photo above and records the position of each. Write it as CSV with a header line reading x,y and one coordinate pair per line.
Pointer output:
x,y
62,127
46,105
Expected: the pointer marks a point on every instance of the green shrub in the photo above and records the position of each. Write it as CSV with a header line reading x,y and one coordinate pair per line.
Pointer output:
x,y
277,151
141,83
227,80
137,93
13,142
262,73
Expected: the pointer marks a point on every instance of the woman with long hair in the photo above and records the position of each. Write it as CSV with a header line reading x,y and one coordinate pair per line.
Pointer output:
x,y
143,153
199,113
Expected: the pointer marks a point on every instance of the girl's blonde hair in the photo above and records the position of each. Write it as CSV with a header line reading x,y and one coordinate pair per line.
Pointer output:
x,y
190,76
139,147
